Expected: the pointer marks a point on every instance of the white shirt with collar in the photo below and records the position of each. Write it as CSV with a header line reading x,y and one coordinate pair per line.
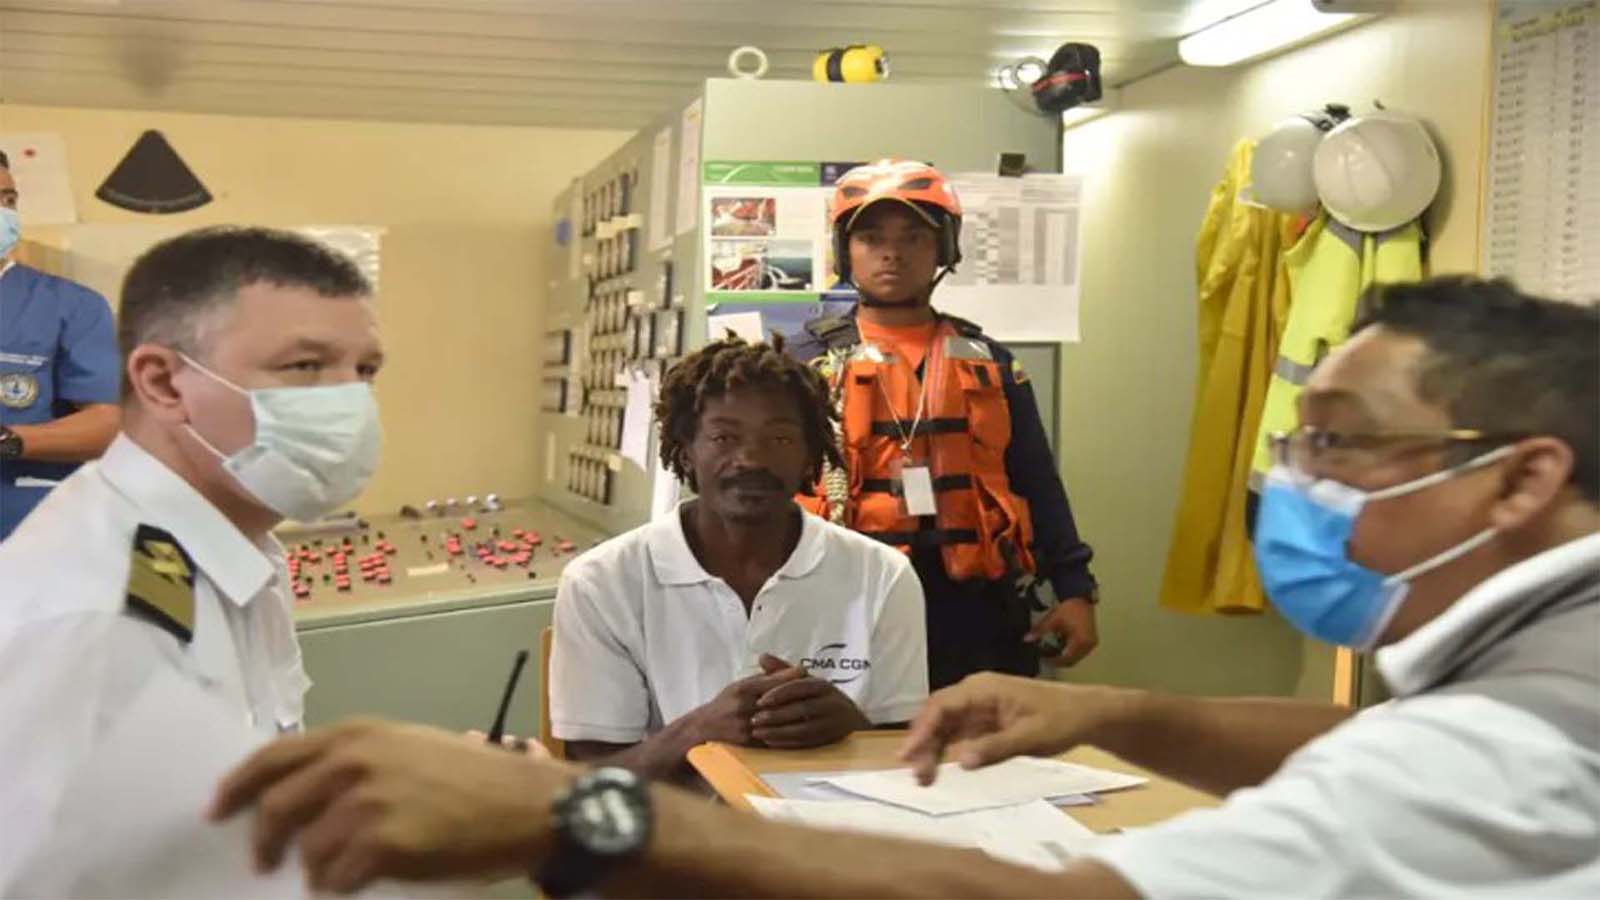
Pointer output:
x,y
644,634
1427,795
71,660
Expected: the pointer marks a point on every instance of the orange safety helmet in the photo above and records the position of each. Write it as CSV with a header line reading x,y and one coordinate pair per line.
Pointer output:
x,y
916,184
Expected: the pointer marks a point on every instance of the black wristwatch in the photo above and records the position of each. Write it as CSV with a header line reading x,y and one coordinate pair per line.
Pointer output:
x,y
601,822
10,444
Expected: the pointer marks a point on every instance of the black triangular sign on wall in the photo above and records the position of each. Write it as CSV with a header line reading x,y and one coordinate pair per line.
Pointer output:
x,y
152,179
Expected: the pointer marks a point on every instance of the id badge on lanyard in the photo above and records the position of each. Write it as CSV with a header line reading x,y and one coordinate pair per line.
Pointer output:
x,y
916,486
916,478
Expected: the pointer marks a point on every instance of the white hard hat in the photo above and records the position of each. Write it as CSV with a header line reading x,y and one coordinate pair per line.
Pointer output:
x,y
1280,170
1378,171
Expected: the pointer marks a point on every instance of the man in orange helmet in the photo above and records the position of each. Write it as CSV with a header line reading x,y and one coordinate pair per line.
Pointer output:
x,y
945,455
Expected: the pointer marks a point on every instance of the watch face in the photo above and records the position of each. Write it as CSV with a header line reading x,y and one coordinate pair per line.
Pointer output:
x,y
609,814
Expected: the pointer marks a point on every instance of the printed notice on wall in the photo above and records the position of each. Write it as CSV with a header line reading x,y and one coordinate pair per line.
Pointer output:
x,y
1021,255
768,256
1543,208
660,185
689,165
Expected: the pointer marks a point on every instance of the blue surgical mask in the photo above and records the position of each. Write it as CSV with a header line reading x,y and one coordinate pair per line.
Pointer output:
x,y
10,229
1302,551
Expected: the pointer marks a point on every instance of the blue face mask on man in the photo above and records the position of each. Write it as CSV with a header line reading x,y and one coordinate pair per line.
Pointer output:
x,y
10,229
1302,552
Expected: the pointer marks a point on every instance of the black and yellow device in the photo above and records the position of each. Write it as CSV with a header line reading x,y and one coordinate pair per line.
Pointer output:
x,y
854,64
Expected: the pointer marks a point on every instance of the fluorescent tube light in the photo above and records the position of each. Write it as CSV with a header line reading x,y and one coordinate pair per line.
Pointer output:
x,y
1261,30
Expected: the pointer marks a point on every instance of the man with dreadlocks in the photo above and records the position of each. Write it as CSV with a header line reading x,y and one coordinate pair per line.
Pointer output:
x,y
736,617
945,455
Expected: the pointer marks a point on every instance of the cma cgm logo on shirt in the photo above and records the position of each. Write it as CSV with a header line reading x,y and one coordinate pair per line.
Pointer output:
x,y
830,663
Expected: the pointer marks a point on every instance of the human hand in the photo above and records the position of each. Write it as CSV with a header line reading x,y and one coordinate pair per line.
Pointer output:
x,y
1072,623
805,712
990,717
369,799
727,717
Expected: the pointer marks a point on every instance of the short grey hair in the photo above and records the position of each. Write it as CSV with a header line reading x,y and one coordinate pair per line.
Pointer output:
x,y
178,284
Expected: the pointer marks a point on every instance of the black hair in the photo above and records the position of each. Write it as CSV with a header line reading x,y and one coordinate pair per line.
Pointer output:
x,y
730,364
5,162
1501,361
177,281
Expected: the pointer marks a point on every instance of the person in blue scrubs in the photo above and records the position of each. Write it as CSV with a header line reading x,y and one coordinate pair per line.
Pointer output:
x,y
60,373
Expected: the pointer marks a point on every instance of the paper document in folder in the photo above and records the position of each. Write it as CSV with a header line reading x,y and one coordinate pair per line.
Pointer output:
x,y
1031,834
957,790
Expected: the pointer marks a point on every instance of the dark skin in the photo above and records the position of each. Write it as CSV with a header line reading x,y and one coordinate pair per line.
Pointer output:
x,y
894,257
748,457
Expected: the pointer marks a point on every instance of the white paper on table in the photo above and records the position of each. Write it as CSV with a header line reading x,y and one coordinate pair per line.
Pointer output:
x,y
44,184
637,414
689,165
815,786
745,324
958,790
1032,834
660,185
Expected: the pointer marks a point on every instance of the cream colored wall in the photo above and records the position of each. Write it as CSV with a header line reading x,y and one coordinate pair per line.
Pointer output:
x,y
1128,386
466,210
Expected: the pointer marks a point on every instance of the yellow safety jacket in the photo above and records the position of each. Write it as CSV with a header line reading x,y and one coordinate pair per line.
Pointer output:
x,y
1244,301
1329,269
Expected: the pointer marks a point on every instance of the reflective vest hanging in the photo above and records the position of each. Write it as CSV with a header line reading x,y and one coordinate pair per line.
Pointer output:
x,y
1329,269
981,527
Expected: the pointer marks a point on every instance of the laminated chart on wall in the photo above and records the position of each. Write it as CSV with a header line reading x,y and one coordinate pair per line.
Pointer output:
x,y
1021,249
767,251
1543,205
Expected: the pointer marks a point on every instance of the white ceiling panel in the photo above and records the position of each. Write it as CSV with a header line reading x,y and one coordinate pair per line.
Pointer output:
x,y
589,63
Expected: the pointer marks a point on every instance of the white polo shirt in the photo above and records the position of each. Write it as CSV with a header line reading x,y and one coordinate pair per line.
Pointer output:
x,y
73,663
643,634
1428,795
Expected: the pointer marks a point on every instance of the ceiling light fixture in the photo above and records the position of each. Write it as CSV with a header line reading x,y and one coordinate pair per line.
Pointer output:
x,y
1270,27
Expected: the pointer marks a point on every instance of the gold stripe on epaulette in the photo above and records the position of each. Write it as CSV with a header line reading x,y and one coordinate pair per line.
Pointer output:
x,y
161,583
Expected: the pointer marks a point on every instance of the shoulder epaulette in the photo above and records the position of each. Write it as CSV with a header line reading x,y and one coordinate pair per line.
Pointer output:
x,y
834,332
161,583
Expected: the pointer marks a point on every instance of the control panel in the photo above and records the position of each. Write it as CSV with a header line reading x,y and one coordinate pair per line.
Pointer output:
x,y
446,546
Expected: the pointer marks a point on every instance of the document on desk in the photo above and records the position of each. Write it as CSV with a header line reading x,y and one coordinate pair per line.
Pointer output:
x,y
816,786
957,790
1030,834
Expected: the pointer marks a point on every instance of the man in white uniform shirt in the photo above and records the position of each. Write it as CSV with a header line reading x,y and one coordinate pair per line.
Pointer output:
x,y
736,617
148,587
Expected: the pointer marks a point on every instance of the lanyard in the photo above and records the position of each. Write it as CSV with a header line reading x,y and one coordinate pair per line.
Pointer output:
x,y
922,396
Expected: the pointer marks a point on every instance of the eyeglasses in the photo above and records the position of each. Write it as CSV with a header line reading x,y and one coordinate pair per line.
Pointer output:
x,y
1307,448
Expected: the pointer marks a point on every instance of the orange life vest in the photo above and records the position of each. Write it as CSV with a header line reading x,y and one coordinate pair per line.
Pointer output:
x,y
982,527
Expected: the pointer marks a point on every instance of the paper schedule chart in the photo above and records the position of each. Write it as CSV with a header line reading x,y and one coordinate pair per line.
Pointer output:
x,y
1543,202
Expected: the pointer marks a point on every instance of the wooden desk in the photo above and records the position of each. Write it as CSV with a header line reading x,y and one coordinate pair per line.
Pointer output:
x,y
734,772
